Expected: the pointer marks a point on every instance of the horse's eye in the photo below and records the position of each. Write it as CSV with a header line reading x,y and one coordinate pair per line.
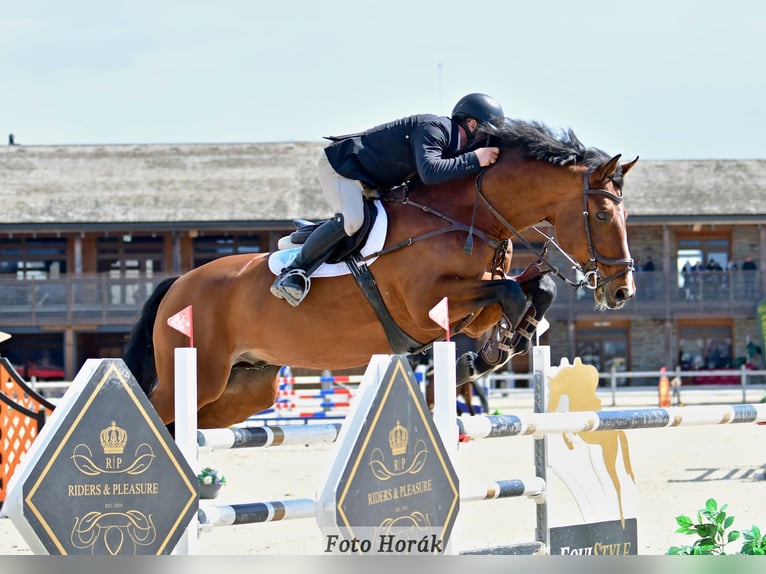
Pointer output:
x,y
603,216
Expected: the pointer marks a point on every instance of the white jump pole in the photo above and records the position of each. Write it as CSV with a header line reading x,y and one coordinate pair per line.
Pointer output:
x,y
444,395
186,431
444,407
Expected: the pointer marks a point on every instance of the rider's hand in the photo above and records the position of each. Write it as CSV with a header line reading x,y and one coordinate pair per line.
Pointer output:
x,y
487,155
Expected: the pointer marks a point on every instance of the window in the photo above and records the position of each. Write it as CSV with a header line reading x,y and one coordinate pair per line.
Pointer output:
x,y
696,254
209,247
603,347
33,258
131,262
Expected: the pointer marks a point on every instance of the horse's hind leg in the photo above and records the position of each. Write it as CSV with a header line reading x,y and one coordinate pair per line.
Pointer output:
x,y
250,389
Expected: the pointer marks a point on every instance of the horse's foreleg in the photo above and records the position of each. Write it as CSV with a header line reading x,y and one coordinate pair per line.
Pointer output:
x,y
540,291
524,305
496,351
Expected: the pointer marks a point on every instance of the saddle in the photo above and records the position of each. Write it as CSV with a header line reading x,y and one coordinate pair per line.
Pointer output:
x,y
346,247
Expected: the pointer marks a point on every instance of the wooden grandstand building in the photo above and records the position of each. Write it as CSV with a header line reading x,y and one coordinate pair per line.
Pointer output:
x,y
87,231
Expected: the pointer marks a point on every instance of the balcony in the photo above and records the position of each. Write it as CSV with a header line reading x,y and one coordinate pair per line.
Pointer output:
x,y
660,297
103,300
97,299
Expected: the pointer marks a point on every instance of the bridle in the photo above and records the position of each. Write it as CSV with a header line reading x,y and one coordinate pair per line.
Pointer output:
x,y
591,277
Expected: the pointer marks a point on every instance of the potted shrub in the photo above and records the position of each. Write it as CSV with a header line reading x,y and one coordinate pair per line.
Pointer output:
x,y
209,482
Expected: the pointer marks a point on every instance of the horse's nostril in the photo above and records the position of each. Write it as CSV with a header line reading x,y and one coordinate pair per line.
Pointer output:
x,y
622,294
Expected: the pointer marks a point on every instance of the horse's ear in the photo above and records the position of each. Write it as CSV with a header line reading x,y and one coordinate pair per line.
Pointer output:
x,y
626,166
607,170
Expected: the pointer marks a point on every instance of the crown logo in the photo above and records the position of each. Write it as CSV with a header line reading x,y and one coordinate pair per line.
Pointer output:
x,y
113,439
397,439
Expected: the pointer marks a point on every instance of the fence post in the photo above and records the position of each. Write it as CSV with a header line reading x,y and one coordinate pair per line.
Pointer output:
x,y
541,367
186,430
743,381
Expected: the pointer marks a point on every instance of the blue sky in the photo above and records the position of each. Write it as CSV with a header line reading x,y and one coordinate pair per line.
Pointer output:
x,y
660,79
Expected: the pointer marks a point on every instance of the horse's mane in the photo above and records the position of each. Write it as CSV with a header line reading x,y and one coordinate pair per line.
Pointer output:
x,y
539,142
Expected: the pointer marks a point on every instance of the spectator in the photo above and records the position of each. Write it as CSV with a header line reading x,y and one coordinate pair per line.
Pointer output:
x,y
691,277
649,282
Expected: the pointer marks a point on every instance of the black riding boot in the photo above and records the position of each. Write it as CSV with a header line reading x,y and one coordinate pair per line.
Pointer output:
x,y
294,281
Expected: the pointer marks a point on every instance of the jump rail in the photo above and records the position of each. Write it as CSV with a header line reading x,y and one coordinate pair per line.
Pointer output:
x,y
496,426
265,436
493,426
248,513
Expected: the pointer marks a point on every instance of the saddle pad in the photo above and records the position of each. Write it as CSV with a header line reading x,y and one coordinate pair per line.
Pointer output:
x,y
375,240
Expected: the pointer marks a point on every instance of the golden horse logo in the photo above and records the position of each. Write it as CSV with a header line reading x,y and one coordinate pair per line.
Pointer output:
x,y
578,384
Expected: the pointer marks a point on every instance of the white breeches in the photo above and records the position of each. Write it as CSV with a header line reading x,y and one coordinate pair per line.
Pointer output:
x,y
344,195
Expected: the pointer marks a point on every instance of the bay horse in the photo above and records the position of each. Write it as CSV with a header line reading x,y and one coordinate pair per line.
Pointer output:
x,y
244,335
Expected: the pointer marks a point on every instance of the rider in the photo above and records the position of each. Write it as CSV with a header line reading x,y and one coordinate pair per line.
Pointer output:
x,y
429,146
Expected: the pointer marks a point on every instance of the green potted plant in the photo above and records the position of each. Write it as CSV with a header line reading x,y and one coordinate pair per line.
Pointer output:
x,y
209,482
714,532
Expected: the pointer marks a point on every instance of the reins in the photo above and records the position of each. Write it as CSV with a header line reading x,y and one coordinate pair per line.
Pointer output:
x,y
591,278
454,226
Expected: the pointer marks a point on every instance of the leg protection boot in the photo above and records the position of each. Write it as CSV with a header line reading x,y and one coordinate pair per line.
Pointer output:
x,y
294,281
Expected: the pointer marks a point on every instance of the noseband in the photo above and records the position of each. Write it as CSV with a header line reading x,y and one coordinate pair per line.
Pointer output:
x,y
591,277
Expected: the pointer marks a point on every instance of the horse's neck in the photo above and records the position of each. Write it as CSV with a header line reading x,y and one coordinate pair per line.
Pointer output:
x,y
534,192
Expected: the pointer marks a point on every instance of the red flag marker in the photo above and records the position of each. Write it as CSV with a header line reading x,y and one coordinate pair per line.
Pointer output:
x,y
182,322
440,315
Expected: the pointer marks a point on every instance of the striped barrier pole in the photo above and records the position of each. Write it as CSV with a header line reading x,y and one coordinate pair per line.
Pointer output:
x,y
211,516
249,513
495,426
531,488
537,424
266,436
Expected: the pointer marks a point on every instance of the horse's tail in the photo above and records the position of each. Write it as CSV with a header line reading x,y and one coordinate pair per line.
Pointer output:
x,y
139,350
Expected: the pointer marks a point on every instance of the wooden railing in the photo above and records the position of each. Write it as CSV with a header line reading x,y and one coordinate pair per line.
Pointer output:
x,y
101,299
96,299
659,296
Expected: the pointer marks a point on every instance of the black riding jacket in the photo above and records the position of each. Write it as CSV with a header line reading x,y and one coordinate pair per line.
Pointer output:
x,y
390,154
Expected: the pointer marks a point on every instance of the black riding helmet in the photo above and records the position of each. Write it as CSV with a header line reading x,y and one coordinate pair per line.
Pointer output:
x,y
483,108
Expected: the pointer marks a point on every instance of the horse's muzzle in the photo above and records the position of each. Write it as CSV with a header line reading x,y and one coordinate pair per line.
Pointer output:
x,y
622,295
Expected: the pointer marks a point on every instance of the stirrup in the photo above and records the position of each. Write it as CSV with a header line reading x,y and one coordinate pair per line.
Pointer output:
x,y
288,292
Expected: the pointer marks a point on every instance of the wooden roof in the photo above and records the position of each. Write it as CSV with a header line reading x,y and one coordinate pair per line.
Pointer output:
x,y
276,182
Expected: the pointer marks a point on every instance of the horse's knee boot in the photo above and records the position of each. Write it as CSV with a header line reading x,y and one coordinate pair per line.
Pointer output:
x,y
496,351
522,335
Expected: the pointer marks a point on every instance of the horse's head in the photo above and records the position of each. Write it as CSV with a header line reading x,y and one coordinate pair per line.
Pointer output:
x,y
592,229
576,189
